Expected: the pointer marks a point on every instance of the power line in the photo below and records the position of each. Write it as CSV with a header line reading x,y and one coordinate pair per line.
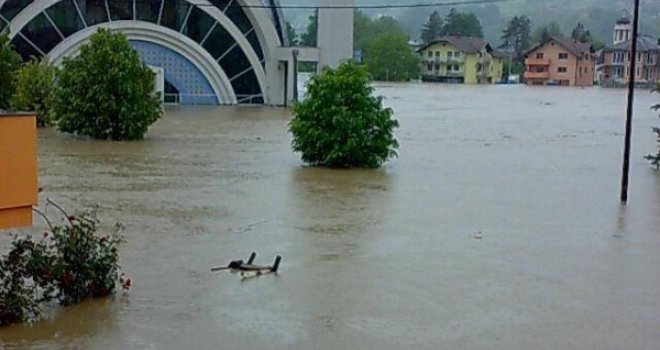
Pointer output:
x,y
389,6
234,3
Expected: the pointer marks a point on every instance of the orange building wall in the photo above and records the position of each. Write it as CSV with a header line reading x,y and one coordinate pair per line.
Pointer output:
x,y
18,169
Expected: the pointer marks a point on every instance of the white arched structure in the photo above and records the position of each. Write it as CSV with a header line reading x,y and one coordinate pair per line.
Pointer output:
x,y
147,31
166,37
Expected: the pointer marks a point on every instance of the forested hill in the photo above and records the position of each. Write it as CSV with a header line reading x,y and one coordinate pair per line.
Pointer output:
x,y
598,16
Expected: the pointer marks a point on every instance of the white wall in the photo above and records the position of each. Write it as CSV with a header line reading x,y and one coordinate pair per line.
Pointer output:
x,y
335,37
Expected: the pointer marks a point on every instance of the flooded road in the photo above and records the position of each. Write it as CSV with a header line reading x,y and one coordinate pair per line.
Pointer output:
x,y
375,259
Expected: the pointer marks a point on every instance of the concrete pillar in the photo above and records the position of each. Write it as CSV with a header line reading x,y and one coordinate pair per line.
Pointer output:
x,y
335,36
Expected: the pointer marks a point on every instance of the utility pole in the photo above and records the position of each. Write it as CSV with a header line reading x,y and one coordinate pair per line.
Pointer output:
x,y
629,111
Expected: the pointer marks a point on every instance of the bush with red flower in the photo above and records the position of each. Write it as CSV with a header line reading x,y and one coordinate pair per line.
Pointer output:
x,y
70,263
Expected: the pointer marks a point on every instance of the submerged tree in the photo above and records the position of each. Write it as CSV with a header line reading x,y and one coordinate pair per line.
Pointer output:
x,y
10,62
106,92
35,84
341,124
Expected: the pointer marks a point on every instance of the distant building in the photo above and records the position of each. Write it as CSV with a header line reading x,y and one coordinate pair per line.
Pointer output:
x,y
560,61
614,69
464,60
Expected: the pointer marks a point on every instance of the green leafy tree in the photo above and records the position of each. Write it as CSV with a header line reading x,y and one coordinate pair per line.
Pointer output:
x,y
291,35
365,31
390,58
462,24
655,158
581,34
310,36
516,36
106,92
432,28
341,124
543,34
10,62
35,84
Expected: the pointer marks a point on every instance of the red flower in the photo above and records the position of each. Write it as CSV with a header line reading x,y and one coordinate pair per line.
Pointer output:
x,y
127,284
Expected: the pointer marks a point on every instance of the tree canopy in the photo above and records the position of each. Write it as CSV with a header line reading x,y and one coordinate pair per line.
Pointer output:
x,y
432,28
291,35
35,84
390,58
458,23
310,36
10,62
341,124
516,36
106,92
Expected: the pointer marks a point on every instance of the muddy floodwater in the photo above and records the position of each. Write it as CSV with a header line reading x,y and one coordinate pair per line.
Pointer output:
x,y
374,259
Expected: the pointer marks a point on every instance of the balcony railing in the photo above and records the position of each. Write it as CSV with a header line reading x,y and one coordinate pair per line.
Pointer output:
x,y
537,62
537,75
455,60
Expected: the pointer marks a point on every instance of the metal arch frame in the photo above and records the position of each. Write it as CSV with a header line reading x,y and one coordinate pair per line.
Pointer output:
x,y
155,34
34,9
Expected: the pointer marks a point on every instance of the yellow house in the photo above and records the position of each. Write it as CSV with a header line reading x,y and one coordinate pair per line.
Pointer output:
x,y
465,60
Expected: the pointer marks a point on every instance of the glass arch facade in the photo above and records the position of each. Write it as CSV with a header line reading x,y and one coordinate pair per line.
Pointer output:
x,y
66,17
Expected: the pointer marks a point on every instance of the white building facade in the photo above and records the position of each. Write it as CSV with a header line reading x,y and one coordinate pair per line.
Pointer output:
x,y
210,51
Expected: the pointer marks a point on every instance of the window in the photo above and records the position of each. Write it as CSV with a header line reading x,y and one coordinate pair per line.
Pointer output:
x,y
430,54
639,57
539,69
174,14
437,54
562,69
539,55
94,11
429,67
65,17
563,55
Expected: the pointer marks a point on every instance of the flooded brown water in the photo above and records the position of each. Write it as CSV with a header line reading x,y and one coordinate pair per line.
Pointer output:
x,y
374,259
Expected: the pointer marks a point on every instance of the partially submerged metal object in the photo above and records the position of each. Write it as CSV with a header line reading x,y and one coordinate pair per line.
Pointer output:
x,y
248,269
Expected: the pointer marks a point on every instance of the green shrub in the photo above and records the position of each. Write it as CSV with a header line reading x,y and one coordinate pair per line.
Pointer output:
x,y
35,83
24,284
70,263
86,264
341,124
10,62
106,92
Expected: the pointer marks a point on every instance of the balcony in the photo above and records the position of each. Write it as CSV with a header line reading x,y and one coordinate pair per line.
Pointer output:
x,y
455,60
537,75
537,62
